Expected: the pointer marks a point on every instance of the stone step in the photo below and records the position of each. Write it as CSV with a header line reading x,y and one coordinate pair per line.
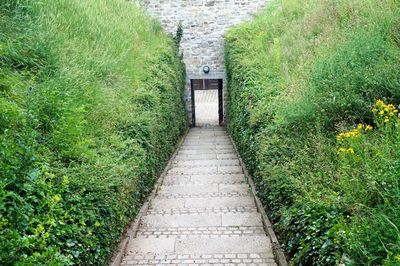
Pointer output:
x,y
241,188
191,147
227,156
206,151
221,244
201,259
203,210
202,131
192,189
201,220
202,202
182,232
206,147
188,189
196,179
208,142
162,195
233,169
207,134
206,163
212,128
207,139
205,156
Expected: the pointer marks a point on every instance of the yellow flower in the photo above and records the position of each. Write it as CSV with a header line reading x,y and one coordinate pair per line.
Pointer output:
x,y
368,128
346,151
385,110
391,107
379,103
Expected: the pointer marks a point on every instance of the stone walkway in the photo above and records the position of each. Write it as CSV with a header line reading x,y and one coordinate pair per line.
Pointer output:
x,y
204,212
206,104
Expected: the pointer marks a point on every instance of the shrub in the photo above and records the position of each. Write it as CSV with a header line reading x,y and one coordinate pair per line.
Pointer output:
x,y
299,74
91,107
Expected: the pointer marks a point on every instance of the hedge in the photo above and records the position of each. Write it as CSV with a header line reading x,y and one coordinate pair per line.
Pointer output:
x,y
91,107
304,82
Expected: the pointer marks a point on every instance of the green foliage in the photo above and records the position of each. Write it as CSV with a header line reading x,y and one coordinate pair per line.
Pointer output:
x,y
179,34
298,74
91,107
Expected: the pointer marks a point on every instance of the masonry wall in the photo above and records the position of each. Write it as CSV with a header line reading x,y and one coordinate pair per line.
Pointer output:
x,y
204,24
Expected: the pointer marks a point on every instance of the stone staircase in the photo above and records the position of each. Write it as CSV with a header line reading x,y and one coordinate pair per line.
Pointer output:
x,y
204,212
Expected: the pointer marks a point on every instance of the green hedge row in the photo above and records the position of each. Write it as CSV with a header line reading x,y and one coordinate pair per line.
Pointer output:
x,y
91,107
299,74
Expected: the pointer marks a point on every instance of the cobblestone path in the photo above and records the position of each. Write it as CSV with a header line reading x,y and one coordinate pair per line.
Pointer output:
x,y
204,213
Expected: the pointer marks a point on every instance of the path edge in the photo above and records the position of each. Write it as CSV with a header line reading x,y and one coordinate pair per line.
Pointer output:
x,y
132,228
268,227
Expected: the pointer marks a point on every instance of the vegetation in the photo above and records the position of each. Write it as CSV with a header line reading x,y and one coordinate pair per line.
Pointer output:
x,y
313,89
91,107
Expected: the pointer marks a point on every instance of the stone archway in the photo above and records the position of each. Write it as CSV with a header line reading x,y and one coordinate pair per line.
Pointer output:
x,y
204,25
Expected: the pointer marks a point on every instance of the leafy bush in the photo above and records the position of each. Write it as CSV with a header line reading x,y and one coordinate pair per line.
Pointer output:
x,y
91,107
299,74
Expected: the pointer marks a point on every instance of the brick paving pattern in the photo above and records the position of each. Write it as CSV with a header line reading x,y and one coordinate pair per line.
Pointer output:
x,y
204,212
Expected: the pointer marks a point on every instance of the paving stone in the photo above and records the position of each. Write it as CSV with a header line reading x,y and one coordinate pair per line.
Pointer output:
x,y
204,259
241,219
204,213
234,244
176,179
232,169
204,156
188,163
161,204
194,170
202,195
142,245
218,178
203,210
241,201
203,231
199,140
206,151
234,188
214,141
182,220
188,189
226,156
205,146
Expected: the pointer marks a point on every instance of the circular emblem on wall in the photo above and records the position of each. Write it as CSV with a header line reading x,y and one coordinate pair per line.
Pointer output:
x,y
206,69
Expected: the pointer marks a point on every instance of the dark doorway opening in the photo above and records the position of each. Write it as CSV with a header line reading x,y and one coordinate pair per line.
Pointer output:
x,y
207,102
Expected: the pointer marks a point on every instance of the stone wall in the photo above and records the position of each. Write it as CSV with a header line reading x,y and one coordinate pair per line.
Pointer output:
x,y
204,24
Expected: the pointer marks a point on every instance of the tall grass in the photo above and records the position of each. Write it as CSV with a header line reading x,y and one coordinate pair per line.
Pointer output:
x,y
91,107
298,74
